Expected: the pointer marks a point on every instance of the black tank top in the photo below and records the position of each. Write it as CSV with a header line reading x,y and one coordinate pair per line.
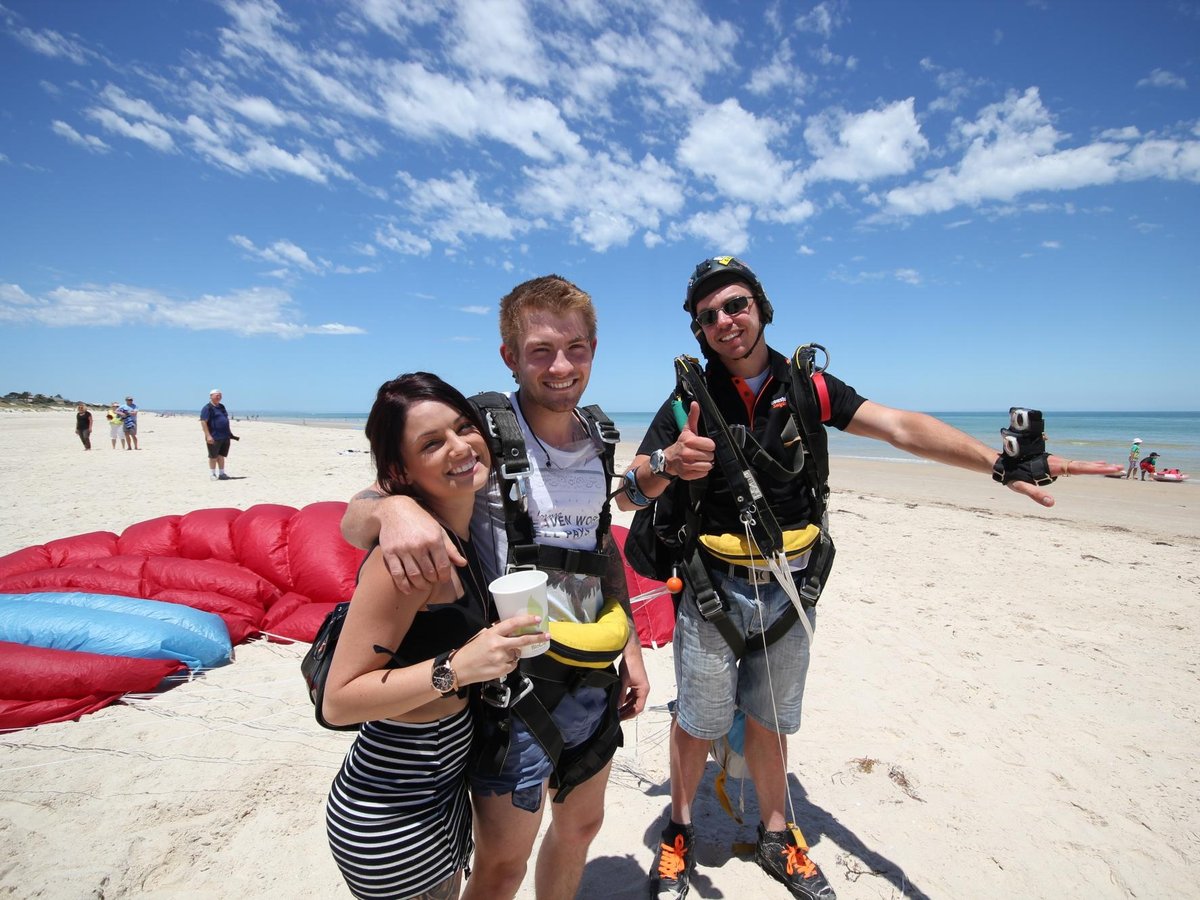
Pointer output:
x,y
444,626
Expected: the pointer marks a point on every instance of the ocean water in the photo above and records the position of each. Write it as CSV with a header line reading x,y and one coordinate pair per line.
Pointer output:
x,y
1106,436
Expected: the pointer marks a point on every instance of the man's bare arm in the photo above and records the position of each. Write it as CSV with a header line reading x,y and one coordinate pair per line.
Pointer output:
x,y
359,526
635,684
416,548
933,439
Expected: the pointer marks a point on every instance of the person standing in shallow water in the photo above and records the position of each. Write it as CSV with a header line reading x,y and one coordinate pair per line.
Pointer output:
x,y
1135,450
83,425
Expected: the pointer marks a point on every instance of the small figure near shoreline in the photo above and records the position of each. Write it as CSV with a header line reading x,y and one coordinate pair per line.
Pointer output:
x,y
1135,450
83,425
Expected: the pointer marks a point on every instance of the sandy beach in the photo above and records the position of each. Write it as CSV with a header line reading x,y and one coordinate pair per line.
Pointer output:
x,y
1003,699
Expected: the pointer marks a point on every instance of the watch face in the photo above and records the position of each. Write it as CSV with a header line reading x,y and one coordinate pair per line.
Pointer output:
x,y
658,462
443,678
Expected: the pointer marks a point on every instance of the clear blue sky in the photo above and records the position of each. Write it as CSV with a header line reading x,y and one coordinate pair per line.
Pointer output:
x,y
971,204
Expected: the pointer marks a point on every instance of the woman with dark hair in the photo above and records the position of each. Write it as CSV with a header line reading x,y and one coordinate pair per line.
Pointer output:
x,y
398,815
83,425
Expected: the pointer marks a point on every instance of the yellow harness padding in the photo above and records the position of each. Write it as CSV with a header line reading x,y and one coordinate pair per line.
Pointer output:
x,y
738,550
592,645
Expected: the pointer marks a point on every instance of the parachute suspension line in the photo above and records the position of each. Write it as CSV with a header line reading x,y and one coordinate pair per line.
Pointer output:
x,y
762,630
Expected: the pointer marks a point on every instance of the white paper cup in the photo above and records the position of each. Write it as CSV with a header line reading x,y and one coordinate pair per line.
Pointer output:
x,y
522,593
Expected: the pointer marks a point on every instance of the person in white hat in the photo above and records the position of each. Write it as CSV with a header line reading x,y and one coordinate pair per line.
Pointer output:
x,y
1135,450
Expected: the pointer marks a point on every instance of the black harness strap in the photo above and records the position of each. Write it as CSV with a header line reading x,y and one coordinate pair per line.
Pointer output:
x,y
513,469
752,508
737,451
542,682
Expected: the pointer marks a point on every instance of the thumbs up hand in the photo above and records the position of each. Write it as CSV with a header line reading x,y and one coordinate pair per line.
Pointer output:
x,y
691,456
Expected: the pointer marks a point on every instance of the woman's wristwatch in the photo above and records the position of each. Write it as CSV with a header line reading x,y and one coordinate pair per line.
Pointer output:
x,y
444,680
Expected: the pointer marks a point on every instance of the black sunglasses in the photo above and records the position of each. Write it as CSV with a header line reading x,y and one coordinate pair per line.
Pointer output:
x,y
730,307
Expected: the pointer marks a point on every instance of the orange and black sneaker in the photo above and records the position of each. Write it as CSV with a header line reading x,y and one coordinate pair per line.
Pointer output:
x,y
784,856
673,863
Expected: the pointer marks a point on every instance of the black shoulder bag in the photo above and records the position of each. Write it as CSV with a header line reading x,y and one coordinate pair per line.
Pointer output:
x,y
315,665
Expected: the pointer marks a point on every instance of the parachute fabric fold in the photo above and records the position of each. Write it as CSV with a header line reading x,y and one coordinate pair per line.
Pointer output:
x,y
115,626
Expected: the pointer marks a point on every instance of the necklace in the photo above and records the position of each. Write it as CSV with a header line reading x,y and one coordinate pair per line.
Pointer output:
x,y
545,452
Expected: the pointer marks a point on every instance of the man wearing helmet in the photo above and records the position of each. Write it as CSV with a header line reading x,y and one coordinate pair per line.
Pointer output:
x,y
749,383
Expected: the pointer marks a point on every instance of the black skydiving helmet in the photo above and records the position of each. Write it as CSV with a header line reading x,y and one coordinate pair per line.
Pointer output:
x,y
713,274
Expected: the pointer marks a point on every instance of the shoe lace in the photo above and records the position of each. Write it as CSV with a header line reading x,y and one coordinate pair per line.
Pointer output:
x,y
672,861
798,862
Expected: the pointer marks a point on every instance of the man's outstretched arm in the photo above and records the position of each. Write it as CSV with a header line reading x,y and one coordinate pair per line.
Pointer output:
x,y
933,439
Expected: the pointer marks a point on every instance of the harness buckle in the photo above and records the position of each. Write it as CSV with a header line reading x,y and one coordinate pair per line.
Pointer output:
x,y
497,693
710,606
752,574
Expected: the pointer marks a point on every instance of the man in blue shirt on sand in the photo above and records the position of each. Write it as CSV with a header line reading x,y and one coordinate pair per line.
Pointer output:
x,y
214,420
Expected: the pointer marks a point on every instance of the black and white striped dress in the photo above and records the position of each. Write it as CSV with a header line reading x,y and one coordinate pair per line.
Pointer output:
x,y
398,815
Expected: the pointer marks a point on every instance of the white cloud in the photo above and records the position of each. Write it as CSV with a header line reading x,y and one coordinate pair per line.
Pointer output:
x,y
400,240
146,132
476,310
1161,78
823,18
1128,133
1011,149
133,107
908,276
865,146
955,86
252,312
281,252
87,141
50,43
428,104
261,111
806,250
779,72
725,230
1173,160
605,201
451,208
1052,245
731,147
496,38
395,16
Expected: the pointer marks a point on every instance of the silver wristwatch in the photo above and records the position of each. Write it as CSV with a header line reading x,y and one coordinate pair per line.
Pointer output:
x,y
443,679
658,464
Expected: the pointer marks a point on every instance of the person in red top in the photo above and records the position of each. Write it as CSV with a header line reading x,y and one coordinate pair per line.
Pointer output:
x,y
1148,466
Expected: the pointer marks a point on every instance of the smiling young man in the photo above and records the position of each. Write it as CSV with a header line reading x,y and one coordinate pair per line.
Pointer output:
x,y
548,333
728,656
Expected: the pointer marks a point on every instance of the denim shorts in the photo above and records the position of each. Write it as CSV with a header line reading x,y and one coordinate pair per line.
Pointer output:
x,y
526,767
767,685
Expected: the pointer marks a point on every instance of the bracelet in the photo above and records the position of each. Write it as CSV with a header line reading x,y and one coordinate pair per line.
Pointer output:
x,y
633,492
